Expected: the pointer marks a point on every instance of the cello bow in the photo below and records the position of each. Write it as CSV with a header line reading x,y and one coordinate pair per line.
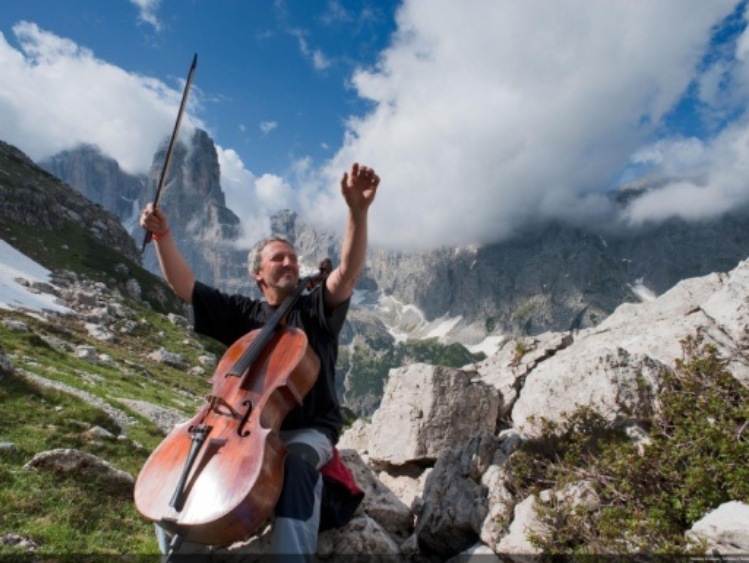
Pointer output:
x,y
170,149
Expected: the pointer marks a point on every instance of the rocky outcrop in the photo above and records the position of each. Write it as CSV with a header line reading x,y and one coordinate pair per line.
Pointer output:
x,y
614,366
204,228
84,466
31,197
454,501
457,478
426,409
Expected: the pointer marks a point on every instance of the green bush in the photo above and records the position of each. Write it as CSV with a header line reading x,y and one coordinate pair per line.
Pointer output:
x,y
697,459
431,351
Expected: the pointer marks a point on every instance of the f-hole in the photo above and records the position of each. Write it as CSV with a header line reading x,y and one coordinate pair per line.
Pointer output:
x,y
240,429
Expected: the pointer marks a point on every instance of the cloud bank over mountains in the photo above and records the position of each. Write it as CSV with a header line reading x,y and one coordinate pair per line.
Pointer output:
x,y
484,117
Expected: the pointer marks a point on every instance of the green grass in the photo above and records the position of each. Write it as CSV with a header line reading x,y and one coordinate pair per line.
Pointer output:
x,y
369,371
65,515
62,514
134,375
431,351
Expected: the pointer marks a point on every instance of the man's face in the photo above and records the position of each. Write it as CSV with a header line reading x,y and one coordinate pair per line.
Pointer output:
x,y
279,270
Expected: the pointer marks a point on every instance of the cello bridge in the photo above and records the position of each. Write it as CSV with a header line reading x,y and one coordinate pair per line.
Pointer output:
x,y
220,406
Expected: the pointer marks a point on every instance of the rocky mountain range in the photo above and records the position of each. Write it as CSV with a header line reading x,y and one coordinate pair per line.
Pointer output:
x,y
200,220
100,179
35,199
551,277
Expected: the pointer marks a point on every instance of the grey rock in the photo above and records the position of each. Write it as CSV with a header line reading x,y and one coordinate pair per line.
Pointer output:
x,y
83,465
426,409
455,502
725,530
166,357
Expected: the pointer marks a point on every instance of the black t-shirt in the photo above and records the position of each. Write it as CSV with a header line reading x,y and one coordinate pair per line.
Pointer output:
x,y
229,317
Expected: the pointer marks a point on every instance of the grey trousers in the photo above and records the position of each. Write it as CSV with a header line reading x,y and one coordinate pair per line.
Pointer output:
x,y
297,514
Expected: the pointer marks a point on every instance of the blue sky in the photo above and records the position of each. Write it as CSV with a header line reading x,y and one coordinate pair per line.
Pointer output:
x,y
481,116
272,74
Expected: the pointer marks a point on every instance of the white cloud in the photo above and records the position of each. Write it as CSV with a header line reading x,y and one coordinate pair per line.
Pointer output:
x,y
147,12
274,192
251,198
268,126
487,114
709,176
317,57
125,114
676,156
319,60
712,178
490,114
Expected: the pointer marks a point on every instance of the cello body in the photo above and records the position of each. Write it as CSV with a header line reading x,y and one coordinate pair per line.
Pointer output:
x,y
234,479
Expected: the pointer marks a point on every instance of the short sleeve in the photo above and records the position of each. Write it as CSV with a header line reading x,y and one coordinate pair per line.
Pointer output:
x,y
224,317
331,319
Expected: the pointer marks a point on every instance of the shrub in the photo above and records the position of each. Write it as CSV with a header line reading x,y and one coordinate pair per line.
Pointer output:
x,y
697,459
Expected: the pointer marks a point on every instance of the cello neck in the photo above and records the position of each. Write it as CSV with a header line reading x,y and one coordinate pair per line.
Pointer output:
x,y
266,334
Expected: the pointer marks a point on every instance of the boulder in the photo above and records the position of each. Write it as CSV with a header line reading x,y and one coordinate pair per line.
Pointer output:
x,y
454,501
84,467
616,367
362,536
426,409
516,545
725,530
379,501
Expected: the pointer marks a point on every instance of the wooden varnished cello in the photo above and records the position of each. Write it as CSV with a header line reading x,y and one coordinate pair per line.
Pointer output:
x,y
216,478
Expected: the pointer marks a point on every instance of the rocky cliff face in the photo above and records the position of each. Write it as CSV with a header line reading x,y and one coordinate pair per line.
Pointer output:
x,y
445,441
556,277
202,225
99,178
200,221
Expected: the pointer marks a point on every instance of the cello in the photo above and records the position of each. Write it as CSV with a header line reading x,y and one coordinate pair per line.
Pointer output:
x,y
216,478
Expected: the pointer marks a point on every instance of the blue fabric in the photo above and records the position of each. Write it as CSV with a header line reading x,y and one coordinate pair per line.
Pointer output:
x,y
297,498
297,512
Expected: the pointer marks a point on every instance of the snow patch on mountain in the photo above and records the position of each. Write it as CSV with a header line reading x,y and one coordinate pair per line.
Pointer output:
x,y
405,321
14,295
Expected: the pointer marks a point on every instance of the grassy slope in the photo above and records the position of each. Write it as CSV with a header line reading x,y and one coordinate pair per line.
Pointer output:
x,y
63,515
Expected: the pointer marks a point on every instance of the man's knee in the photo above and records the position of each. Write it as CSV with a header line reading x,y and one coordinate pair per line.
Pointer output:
x,y
297,498
305,452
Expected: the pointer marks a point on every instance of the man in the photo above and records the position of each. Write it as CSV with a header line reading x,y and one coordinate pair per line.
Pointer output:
x,y
311,430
